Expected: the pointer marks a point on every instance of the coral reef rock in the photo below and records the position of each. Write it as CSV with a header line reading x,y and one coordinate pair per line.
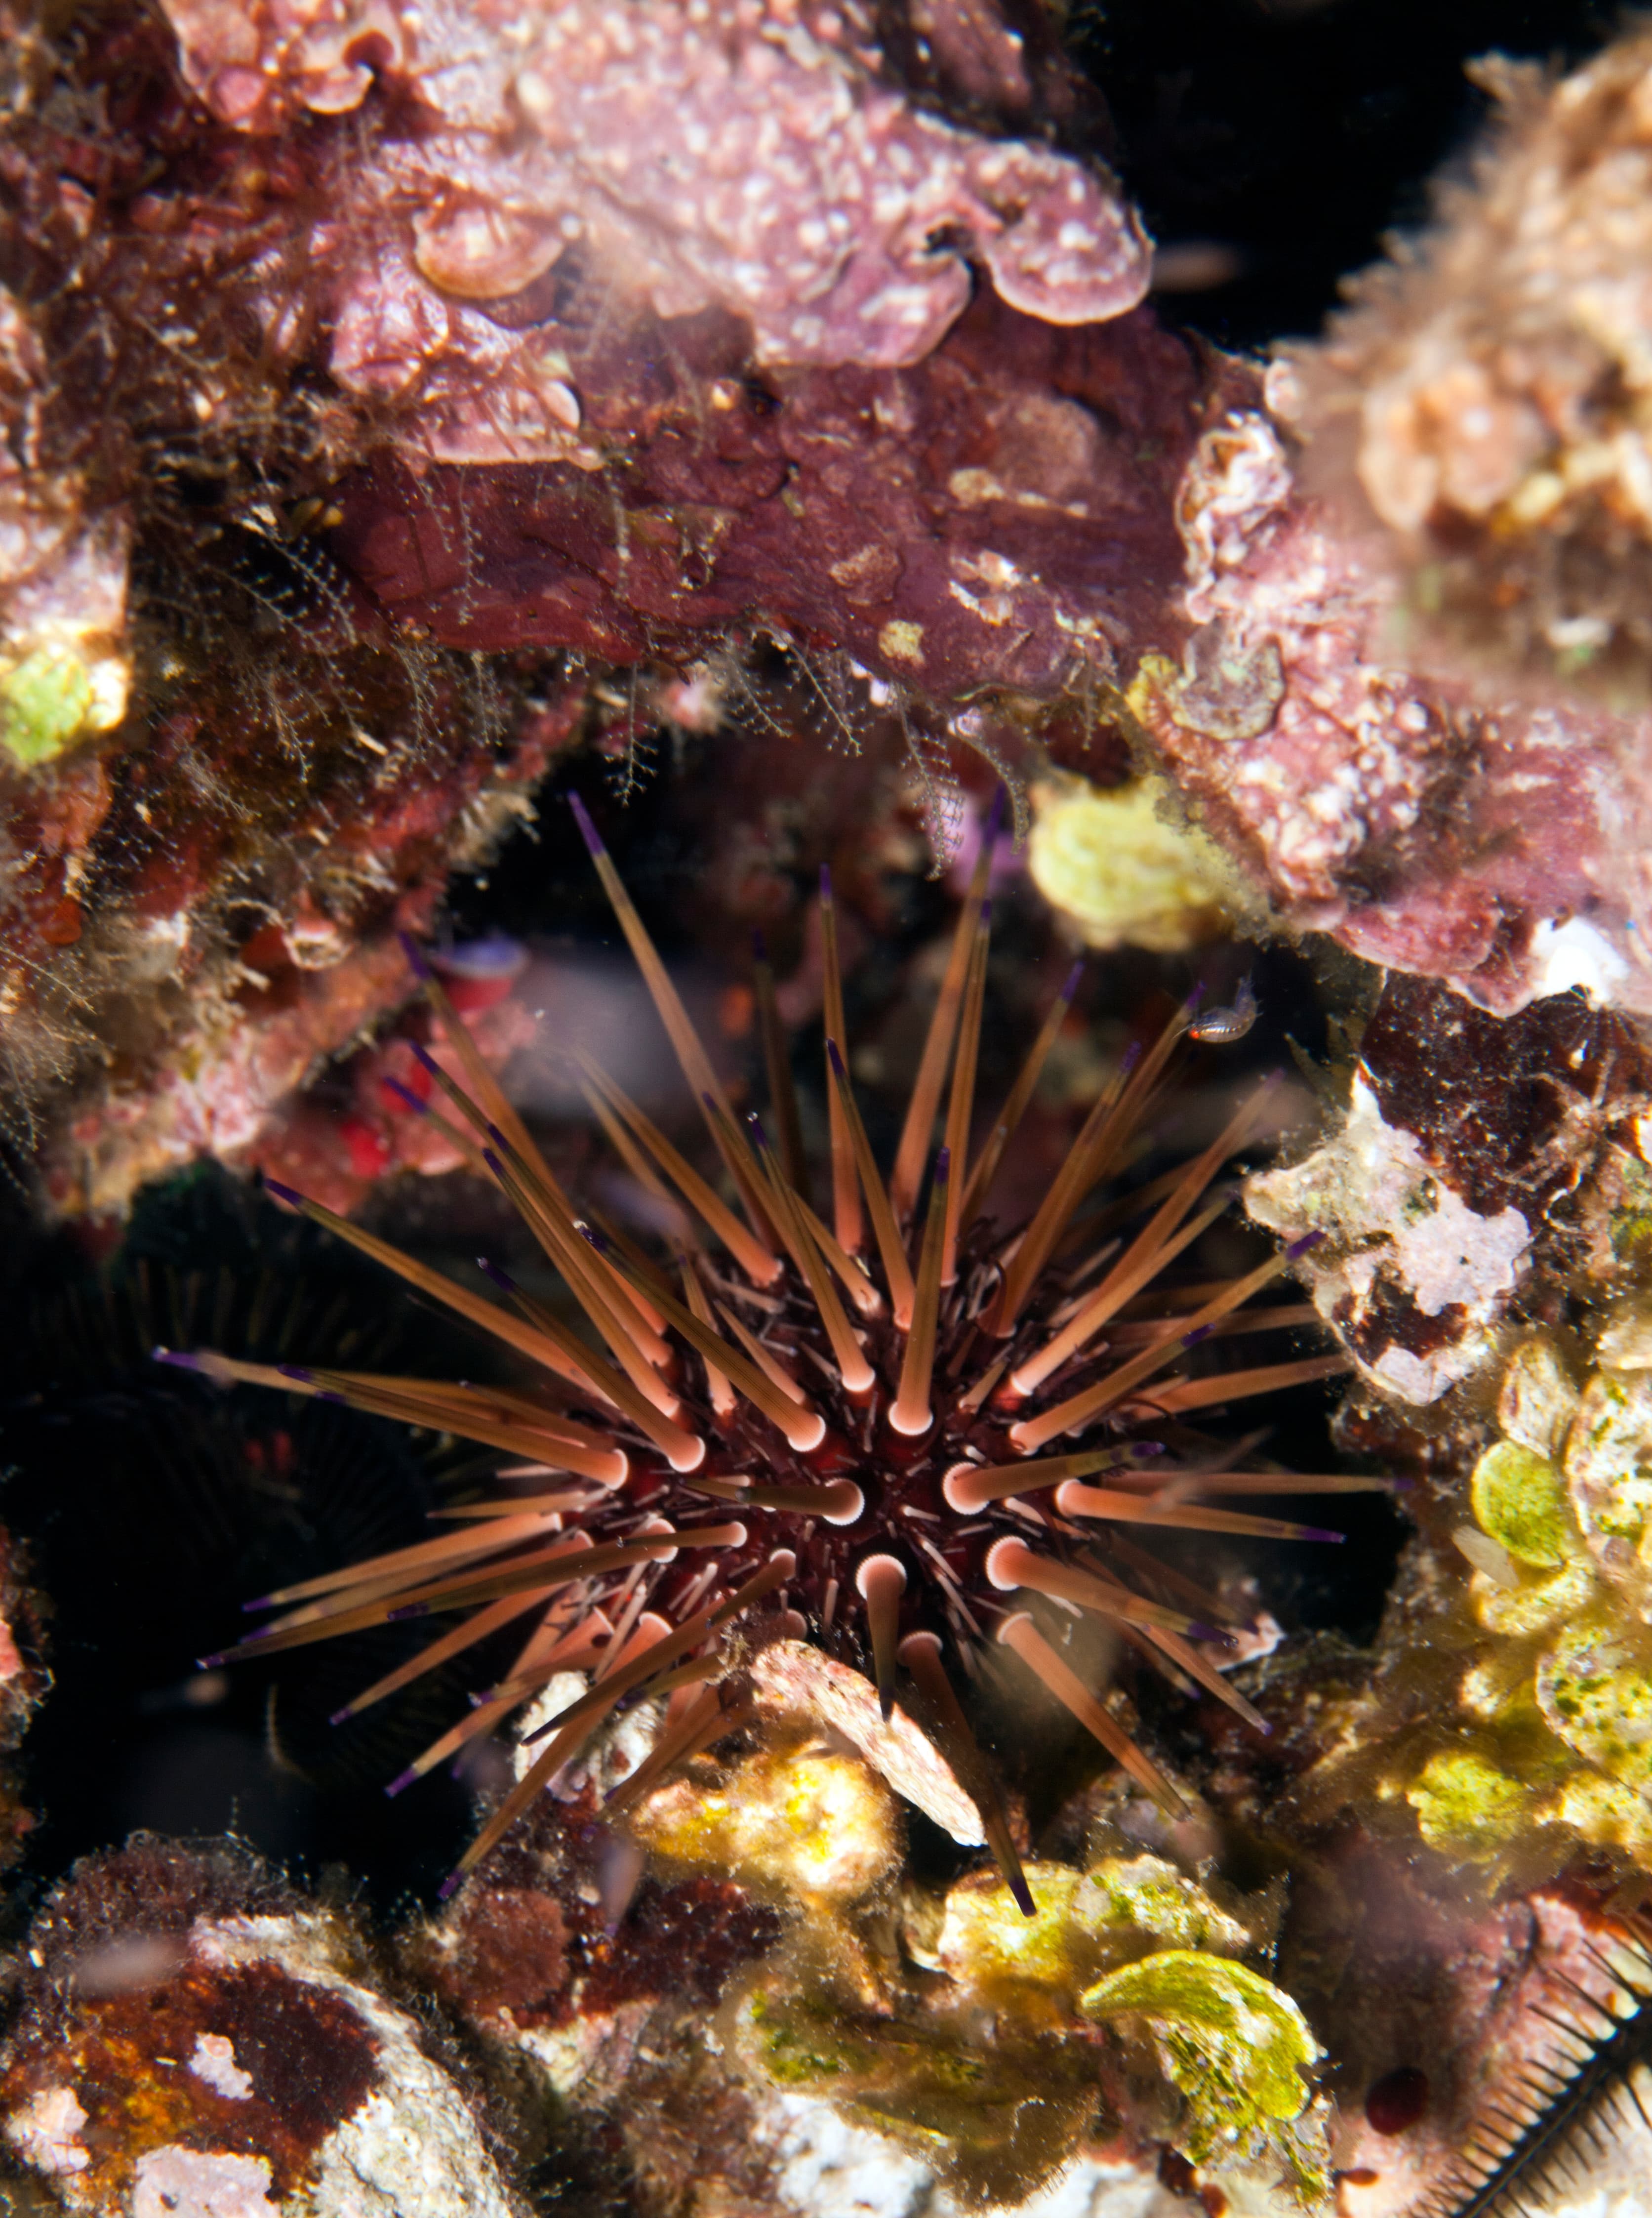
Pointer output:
x,y
191,2038
1542,1651
1496,379
1478,1159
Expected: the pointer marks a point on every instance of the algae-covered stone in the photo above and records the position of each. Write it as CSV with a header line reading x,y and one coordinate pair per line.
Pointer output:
x,y
798,1822
1604,1813
997,2117
1467,1804
1122,1907
1537,1401
45,701
1522,1612
1596,1691
1520,1499
1609,1468
1236,2046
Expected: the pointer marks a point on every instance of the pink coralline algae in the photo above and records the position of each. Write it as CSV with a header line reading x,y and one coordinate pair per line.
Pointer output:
x,y
997,517
744,155
1452,832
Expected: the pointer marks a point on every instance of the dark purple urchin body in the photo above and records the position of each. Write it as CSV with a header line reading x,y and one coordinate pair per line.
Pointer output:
x,y
873,1396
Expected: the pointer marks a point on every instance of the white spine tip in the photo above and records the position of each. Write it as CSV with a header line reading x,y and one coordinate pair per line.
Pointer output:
x,y
783,1561
616,1468
915,1643
959,1491
846,1503
805,1431
878,1575
1010,1625
1006,1563
911,1419
688,1457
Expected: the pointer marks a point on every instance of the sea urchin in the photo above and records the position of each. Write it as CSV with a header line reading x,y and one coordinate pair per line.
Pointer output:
x,y
867,1401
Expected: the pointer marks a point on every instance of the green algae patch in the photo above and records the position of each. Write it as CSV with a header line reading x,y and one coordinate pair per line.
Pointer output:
x,y
1609,1464
1520,1499
998,2119
1520,1612
1122,1907
47,701
1236,2047
1466,1804
1597,1696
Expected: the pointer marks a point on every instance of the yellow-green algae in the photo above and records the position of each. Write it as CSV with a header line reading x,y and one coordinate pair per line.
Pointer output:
x,y
57,693
983,2062
1235,2045
1122,873
1544,1740
800,1823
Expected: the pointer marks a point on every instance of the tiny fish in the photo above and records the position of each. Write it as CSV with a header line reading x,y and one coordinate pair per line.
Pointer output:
x,y
1218,1026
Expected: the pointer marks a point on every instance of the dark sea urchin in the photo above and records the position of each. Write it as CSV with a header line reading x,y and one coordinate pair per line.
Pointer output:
x,y
873,1394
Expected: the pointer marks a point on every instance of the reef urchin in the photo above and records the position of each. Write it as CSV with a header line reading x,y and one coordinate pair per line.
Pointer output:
x,y
874,1395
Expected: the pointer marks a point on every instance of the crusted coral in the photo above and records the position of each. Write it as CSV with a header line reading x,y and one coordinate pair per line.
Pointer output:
x,y
193,2034
1497,379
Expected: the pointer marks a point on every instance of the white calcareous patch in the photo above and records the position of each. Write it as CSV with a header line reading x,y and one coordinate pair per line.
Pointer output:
x,y
185,2183
1575,954
1392,1225
45,2132
213,2060
412,2146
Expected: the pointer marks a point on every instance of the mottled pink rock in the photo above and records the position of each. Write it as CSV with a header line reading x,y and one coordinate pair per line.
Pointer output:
x,y
1433,828
747,155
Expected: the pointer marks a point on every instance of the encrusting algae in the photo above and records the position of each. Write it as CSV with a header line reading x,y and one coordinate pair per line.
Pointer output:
x,y
1545,1744
996,2046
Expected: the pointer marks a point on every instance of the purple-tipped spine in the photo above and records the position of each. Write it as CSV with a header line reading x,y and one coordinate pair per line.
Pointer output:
x,y
296,1371
1301,1246
587,829
406,1095
942,1167
416,958
286,1193
502,1279
402,1781
176,1358
1071,987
